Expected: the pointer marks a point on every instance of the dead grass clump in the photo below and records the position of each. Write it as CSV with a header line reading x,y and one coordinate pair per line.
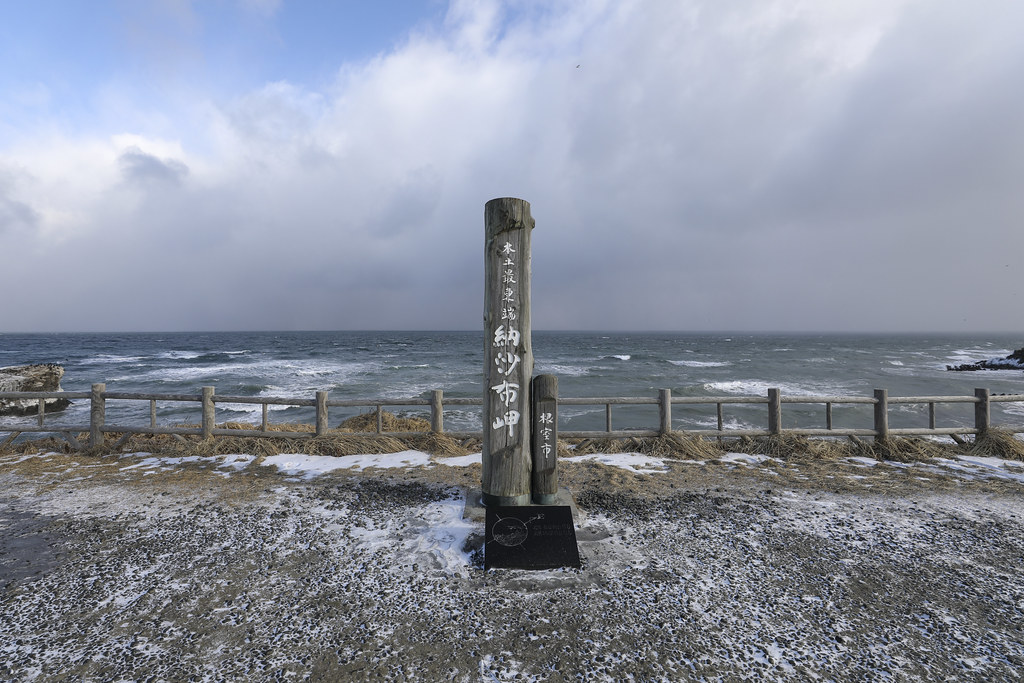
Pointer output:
x,y
588,446
50,444
1000,443
438,444
783,447
667,446
367,422
908,449
674,445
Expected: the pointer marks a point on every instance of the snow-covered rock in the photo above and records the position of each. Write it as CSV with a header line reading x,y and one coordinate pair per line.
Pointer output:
x,y
1015,361
41,377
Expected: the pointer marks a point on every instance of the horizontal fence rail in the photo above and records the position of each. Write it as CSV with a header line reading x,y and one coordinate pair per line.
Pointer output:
x,y
207,399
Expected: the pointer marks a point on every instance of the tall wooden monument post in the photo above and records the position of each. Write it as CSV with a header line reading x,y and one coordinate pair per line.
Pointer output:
x,y
508,353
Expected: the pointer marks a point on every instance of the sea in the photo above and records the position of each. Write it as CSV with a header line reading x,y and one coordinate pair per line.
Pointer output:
x,y
408,365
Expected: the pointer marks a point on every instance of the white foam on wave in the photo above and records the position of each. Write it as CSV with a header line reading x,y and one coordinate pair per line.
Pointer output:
x,y
291,378
109,359
179,355
560,369
1012,408
186,374
973,355
701,363
728,422
755,387
622,356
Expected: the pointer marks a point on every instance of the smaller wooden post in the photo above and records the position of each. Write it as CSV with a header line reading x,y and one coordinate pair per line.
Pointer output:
x,y
97,414
42,411
544,480
321,413
208,412
982,412
665,411
774,412
881,415
437,411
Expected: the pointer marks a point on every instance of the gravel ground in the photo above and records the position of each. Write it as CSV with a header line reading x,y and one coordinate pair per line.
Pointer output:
x,y
133,568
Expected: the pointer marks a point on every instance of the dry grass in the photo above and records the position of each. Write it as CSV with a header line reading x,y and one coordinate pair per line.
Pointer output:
x,y
367,422
669,446
357,435
1000,443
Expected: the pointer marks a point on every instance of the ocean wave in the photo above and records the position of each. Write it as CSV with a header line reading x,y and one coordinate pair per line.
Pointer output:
x,y
973,355
111,359
179,355
559,369
754,387
701,363
618,356
712,423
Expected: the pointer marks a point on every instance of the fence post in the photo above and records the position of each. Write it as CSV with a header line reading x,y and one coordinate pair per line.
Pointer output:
x,y
208,412
97,414
665,411
881,415
321,413
437,411
774,412
982,414
544,392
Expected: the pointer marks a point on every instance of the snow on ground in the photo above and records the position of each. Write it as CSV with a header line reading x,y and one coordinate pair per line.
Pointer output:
x,y
307,466
119,569
632,462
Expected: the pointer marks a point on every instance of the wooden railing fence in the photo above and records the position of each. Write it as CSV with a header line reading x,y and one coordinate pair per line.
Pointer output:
x,y
208,400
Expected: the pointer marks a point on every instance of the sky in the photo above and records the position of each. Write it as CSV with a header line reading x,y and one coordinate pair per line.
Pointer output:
x,y
692,165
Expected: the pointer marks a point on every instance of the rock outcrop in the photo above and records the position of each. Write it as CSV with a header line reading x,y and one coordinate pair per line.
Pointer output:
x,y
1015,361
43,377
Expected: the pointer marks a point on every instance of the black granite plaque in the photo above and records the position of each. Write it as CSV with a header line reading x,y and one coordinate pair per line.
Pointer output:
x,y
531,537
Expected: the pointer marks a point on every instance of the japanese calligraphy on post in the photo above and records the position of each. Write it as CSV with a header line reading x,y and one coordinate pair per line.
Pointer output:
x,y
546,444
508,356
507,346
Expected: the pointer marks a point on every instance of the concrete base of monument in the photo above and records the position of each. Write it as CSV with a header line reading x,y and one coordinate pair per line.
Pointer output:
x,y
476,509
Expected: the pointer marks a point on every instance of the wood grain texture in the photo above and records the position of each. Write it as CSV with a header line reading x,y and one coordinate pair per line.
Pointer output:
x,y
508,352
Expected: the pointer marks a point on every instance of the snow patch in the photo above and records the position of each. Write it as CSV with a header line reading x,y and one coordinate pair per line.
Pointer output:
x,y
748,459
460,460
634,462
309,466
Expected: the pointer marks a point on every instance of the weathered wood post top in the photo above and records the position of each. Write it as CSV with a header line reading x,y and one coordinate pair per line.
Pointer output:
x,y
508,353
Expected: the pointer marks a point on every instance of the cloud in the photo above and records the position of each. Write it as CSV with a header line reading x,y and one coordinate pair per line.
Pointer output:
x,y
15,215
696,165
139,167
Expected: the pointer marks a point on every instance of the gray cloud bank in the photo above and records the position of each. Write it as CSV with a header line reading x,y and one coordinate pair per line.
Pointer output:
x,y
690,165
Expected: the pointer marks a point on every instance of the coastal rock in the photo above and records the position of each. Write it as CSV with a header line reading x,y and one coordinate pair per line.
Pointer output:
x,y
41,377
1015,361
